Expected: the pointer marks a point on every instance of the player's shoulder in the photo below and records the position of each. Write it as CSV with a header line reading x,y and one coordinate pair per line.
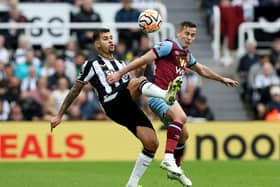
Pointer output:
x,y
91,59
164,47
165,43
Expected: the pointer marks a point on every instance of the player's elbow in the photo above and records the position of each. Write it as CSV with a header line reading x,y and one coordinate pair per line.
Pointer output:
x,y
203,71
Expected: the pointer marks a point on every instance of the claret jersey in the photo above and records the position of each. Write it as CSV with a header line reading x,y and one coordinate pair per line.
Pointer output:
x,y
171,62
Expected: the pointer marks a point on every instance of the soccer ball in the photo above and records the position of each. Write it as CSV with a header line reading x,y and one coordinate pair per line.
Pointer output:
x,y
149,21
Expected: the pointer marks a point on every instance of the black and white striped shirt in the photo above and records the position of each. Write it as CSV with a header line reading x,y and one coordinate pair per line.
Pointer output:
x,y
96,70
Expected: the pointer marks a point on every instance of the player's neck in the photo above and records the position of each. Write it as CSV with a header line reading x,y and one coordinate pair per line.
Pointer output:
x,y
186,49
108,56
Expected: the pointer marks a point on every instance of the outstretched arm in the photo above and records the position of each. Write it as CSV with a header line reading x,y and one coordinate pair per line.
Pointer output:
x,y
71,96
148,57
209,74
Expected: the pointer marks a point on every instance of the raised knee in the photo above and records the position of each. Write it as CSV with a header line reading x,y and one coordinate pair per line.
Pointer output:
x,y
184,135
184,119
152,145
155,144
141,78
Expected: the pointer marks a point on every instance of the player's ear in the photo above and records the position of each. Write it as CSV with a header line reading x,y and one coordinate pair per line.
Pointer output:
x,y
97,44
177,33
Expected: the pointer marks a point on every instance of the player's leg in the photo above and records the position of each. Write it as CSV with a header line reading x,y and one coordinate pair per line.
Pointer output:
x,y
140,85
148,138
173,117
151,90
150,144
169,115
176,113
133,87
160,108
180,147
132,117
177,118
142,128
178,154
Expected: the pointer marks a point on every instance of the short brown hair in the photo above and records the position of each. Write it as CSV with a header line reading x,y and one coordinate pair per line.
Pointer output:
x,y
185,24
98,32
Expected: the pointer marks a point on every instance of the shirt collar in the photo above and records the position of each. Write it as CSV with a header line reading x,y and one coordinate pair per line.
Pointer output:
x,y
178,43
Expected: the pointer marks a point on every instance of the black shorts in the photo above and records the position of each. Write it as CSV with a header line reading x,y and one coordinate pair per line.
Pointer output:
x,y
124,111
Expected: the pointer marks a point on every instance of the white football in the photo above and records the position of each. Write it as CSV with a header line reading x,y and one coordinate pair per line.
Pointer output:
x,y
149,20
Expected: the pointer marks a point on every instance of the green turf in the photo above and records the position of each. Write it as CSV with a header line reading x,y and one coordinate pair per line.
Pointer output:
x,y
261,173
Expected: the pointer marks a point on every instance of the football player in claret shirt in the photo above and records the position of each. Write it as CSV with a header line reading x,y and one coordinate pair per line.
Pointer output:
x,y
171,58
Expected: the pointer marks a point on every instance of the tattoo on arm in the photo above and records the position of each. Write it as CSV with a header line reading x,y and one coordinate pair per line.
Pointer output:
x,y
71,96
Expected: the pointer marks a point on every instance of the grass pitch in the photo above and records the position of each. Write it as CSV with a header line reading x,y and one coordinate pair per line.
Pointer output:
x,y
261,173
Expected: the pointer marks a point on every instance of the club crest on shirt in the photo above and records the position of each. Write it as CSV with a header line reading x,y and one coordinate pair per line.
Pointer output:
x,y
181,61
109,72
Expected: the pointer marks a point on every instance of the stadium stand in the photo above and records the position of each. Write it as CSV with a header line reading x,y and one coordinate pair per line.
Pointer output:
x,y
260,27
48,48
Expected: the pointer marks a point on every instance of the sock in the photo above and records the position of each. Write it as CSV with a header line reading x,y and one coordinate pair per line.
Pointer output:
x,y
178,153
173,135
151,90
142,163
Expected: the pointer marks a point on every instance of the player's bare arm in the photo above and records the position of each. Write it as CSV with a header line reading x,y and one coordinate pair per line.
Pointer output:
x,y
209,74
149,57
71,96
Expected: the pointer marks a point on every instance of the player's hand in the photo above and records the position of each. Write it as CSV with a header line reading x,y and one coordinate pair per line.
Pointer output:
x,y
114,77
55,122
230,82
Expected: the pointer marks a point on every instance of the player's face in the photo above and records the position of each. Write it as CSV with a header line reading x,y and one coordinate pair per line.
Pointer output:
x,y
106,44
186,36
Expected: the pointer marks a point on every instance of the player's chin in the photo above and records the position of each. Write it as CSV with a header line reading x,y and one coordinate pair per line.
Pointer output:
x,y
111,51
186,45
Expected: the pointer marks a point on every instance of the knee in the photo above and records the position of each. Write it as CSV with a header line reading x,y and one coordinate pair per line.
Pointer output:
x,y
182,119
184,136
141,78
135,82
138,80
152,145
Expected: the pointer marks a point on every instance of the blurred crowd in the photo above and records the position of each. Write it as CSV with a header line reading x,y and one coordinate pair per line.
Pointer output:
x,y
259,68
74,2
260,79
35,79
234,12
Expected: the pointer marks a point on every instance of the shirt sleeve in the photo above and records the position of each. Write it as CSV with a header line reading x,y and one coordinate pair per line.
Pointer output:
x,y
192,60
86,73
163,48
